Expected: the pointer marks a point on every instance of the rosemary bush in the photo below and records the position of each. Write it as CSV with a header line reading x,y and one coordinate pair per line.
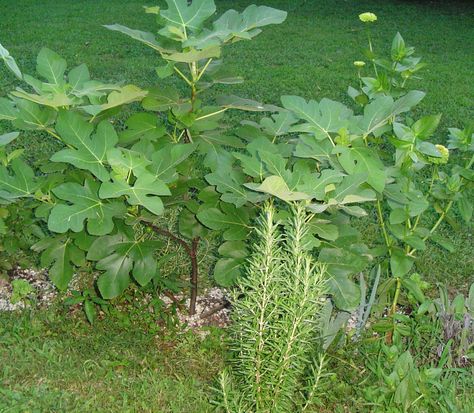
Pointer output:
x,y
273,337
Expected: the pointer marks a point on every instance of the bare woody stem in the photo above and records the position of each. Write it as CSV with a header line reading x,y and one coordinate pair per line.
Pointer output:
x,y
194,275
191,249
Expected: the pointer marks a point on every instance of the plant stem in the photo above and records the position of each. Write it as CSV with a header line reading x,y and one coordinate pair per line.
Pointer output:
x,y
393,309
183,76
191,249
203,69
194,275
171,296
468,166
448,207
372,51
211,114
215,310
395,297
382,225
187,136
433,174
56,136
440,219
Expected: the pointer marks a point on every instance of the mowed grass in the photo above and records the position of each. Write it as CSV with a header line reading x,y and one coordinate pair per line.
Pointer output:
x,y
55,362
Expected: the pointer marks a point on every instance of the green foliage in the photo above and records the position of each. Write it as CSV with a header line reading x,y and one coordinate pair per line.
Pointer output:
x,y
416,373
274,330
22,289
89,301
343,159
456,318
99,199
106,187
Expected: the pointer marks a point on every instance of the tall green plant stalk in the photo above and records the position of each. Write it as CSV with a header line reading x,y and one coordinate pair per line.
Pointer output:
x,y
275,314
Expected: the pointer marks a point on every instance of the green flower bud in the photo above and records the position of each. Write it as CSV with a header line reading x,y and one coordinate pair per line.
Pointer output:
x,y
444,155
367,17
359,63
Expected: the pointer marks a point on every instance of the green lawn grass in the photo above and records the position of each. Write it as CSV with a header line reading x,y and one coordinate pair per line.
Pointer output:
x,y
56,363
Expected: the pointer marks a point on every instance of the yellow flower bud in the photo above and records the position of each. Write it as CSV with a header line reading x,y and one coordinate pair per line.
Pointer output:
x,y
359,63
367,17
444,155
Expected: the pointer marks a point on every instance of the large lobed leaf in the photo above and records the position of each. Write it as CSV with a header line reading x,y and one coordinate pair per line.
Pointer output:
x,y
188,17
145,192
51,66
232,26
121,256
85,152
321,118
83,203
21,184
60,255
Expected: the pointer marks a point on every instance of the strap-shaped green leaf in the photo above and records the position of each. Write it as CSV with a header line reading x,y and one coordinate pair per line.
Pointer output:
x,y
86,152
83,203
143,192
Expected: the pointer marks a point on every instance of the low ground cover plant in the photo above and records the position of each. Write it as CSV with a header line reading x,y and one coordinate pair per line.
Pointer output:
x,y
97,201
